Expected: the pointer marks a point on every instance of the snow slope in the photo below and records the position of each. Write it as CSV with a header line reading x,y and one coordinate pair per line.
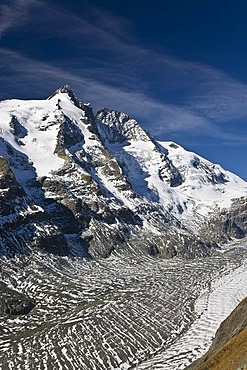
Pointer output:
x,y
38,124
37,139
206,183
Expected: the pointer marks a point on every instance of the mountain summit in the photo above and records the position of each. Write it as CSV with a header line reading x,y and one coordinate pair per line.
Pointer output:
x,y
76,183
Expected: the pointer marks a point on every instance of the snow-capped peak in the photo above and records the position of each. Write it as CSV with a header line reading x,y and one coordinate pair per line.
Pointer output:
x,y
32,127
66,89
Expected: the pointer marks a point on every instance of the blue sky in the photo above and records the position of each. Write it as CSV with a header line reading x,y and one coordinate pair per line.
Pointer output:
x,y
177,66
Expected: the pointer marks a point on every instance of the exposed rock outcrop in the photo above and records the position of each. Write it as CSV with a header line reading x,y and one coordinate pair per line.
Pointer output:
x,y
14,303
229,223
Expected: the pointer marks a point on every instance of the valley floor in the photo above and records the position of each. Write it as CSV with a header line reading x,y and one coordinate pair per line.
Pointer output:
x,y
123,312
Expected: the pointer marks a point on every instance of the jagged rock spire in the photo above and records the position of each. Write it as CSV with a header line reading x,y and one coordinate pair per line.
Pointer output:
x,y
66,89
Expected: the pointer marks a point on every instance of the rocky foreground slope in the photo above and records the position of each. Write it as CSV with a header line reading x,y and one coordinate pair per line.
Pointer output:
x,y
75,183
229,348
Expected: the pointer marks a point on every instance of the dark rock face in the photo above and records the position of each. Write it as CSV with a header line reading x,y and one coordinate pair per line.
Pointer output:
x,y
235,223
55,244
68,136
14,303
21,217
8,181
229,223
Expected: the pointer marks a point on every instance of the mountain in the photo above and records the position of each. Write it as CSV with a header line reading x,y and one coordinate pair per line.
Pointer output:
x,y
82,184
91,209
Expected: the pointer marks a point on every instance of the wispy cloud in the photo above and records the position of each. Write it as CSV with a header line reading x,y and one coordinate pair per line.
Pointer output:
x,y
159,118
201,90
104,64
14,14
